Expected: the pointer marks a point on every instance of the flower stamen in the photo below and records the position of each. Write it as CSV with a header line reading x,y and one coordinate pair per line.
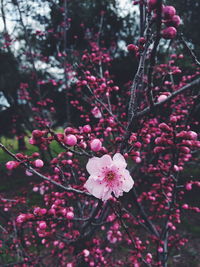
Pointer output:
x,y
110,176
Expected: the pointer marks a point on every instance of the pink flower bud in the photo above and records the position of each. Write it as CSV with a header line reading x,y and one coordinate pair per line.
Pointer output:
x,y
169,33
37,133
188,186
96,113
149,257
28,173
21,218
185,206
152,4
86,128
42,225
61,245
185,149
176,168
32,141
10,165
138,160
169,12
38,163
132,47
162,98
92,79
95,145
173,119
70,140
86,253
163,126
160,249
43,211
175,21
193,135
70,215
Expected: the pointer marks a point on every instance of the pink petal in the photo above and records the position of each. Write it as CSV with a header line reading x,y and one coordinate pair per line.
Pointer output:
x,y
127,181
94,187
118,192
119,160
92,166
95,165
107,194
105,161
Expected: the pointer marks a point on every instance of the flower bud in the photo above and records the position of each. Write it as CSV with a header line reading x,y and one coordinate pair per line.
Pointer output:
x,y
38,163
95,145
132,47
70,215
185,206
188,186
162,98
86,128
169,33
42,225
168,12
175,21
10,165
152,4
70,140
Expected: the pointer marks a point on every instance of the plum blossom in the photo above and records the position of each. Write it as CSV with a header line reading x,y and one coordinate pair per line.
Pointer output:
x,y
108,176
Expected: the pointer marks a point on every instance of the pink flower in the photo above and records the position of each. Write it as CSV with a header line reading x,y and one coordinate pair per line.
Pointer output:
x,y
108,176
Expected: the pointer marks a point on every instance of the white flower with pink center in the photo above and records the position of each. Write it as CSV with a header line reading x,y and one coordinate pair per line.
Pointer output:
x,y
108,176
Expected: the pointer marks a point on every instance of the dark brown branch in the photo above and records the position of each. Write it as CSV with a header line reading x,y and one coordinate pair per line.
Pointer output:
x,y
107,109
139,74
143,214
141,19
66,147
156,105
153,53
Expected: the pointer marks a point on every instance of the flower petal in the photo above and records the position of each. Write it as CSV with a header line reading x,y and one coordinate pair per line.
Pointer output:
x,y
107,194
105,161
92,166
119,160
95,188
118,192
96,165
127,181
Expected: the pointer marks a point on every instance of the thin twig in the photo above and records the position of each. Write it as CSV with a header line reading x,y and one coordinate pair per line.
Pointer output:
x,y
189,50
153,53
68,189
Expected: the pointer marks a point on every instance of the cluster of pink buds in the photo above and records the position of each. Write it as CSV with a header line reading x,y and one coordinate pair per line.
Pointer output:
x,y
170,19
39,138
24,217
